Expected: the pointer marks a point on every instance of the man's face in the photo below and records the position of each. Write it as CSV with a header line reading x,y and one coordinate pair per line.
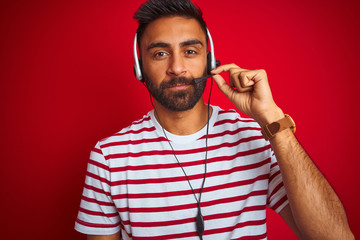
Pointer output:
x,y
173,51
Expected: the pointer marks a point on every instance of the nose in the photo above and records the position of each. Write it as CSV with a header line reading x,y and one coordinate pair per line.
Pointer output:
x,y
176,65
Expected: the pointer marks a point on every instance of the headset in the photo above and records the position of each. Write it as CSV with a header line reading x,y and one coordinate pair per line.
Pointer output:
x,y
212,63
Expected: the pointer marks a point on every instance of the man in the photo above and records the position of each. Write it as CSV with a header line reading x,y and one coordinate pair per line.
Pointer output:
x,y
189,170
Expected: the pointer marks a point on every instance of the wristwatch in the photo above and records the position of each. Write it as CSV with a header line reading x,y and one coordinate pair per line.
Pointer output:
x,y
272,128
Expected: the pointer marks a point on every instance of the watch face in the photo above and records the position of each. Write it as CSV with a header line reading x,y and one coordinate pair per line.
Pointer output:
x,y
291,122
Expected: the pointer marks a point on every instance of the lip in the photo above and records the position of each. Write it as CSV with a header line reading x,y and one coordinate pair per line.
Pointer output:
x,y
180,87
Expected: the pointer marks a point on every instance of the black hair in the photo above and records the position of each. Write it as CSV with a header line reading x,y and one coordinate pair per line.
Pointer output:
x,y
155,9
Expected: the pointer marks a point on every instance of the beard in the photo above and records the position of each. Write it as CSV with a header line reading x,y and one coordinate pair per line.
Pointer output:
x,y
180,100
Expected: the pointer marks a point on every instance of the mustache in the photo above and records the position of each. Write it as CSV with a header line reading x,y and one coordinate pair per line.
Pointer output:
x,y
177,81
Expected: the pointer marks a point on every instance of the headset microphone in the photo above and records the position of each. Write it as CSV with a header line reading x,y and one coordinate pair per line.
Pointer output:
x,y
201,79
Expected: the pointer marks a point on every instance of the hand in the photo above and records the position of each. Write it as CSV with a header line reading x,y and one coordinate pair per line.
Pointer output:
x,y
249,90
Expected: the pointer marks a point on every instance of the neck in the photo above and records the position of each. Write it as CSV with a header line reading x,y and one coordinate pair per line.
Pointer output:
x,y
184,122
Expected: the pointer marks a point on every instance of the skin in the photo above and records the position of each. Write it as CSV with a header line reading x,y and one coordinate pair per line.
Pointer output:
x,y
314,210
115,236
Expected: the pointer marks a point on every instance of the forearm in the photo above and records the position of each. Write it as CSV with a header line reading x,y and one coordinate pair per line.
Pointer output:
x,y
317,211
115,236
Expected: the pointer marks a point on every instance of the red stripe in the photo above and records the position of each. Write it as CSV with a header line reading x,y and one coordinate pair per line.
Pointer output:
x,y
145,118
124,231
253,237
274,165
109,215
235,213
189,192
200,162
276,189
191,177
239,225
100,165
97,150
274,175
229,132
95,189
163,139
150,129
87,199
279,203
103,180
175,165
194,205
234,199
232,121
127,222
96,225
134,142
139,154
162,223
189,220
233,144
207,232
169,236
226,111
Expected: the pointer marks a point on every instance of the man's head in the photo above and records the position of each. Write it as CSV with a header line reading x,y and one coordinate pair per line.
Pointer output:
x,y
173,48
155,9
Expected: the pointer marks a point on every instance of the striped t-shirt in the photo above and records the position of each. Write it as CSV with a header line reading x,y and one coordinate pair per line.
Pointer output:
x,y
135,185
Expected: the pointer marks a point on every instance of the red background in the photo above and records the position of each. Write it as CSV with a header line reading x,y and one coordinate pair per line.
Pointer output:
x,y
67,80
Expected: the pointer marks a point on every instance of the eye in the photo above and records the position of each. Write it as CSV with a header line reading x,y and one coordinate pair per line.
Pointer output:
x,y
190,52
160,54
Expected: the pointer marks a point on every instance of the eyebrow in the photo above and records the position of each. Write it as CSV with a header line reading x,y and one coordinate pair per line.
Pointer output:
x,y
167,45
191,42
158,44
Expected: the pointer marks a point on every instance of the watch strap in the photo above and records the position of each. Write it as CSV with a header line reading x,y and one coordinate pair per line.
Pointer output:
x,y
271,129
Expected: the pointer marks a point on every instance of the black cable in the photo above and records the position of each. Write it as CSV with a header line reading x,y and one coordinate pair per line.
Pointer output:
x,y
200,224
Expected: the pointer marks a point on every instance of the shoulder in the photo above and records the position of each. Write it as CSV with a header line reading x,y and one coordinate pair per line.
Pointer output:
x,y
135,130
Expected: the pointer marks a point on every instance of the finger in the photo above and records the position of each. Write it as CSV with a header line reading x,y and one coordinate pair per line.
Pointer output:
x,y
246,79
226,68
244,85
253,76
239,85
239,81
258,80
233,73
232,84
223,86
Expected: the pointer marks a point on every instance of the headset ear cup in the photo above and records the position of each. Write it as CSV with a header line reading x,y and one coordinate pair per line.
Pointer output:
x,y
208,63
138,69
141,68
134,68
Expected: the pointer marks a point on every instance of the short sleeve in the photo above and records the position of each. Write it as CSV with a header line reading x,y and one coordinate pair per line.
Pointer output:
x,y
277,198
97,214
